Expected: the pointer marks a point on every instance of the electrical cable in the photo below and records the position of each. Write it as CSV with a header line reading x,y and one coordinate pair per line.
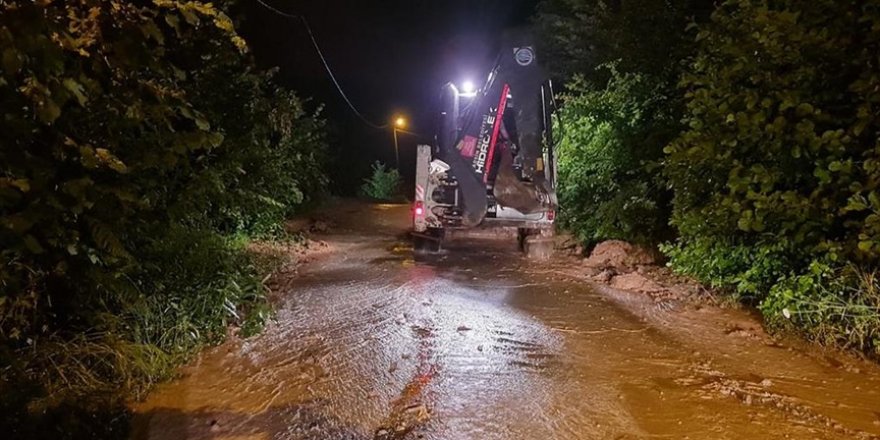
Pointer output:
x,y
326,64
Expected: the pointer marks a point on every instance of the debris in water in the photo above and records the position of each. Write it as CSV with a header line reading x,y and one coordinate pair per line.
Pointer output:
x,y
636,282
605,275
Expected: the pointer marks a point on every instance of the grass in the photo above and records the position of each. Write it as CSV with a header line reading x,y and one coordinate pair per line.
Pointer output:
x,y
835,307
845,314
77,384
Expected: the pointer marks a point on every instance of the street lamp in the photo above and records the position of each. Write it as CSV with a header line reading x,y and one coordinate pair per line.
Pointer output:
x,y
399,124
467,87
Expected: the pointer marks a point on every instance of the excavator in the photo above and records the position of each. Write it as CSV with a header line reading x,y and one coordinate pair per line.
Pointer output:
x,y
492,163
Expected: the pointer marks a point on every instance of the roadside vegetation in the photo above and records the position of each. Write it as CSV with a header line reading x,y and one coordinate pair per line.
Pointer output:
x,y
141,151
742,138
383,184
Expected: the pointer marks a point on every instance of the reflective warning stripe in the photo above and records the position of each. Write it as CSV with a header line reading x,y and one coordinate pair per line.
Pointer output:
x,y
420,193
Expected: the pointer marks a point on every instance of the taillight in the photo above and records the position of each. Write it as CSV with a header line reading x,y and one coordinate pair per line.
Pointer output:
x,y
419,209
551,215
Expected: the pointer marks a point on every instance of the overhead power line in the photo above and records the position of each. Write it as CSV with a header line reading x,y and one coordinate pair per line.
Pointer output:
x,y
326,64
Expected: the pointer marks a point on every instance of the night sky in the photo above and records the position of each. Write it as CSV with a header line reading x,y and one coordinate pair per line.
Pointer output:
x,y
389,56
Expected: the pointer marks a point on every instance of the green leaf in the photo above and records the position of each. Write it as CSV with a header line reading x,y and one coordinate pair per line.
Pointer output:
x,y
77,89
804,109
22,185
18,223
189,16
33,245
150,29
202,123
48,111
11,61
174,21
109,160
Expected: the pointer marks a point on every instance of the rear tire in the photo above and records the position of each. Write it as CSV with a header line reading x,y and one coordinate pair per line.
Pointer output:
x,y
536,244
521,235
429,242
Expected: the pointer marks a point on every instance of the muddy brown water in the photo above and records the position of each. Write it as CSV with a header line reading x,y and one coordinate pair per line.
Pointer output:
x,y
479,343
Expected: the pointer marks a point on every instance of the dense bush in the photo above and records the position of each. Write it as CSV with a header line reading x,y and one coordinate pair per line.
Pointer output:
x,y
621,106
776,167
274,158
137,140
610,185
778,171
383,184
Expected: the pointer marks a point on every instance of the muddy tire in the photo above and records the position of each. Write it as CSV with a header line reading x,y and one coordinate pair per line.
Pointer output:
x,y
537,244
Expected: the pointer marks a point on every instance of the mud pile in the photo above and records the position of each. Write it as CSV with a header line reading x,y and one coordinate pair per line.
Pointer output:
x,y
620,255
629,267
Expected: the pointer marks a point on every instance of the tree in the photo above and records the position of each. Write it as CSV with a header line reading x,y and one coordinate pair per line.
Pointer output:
x,y
615,121
779,167
613,138
138,137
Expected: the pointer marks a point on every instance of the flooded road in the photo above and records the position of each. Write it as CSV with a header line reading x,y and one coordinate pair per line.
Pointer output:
x,y
482,344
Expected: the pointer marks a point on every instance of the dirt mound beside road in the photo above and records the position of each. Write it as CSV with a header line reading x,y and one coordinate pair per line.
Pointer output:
x,y
620,255
632,268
